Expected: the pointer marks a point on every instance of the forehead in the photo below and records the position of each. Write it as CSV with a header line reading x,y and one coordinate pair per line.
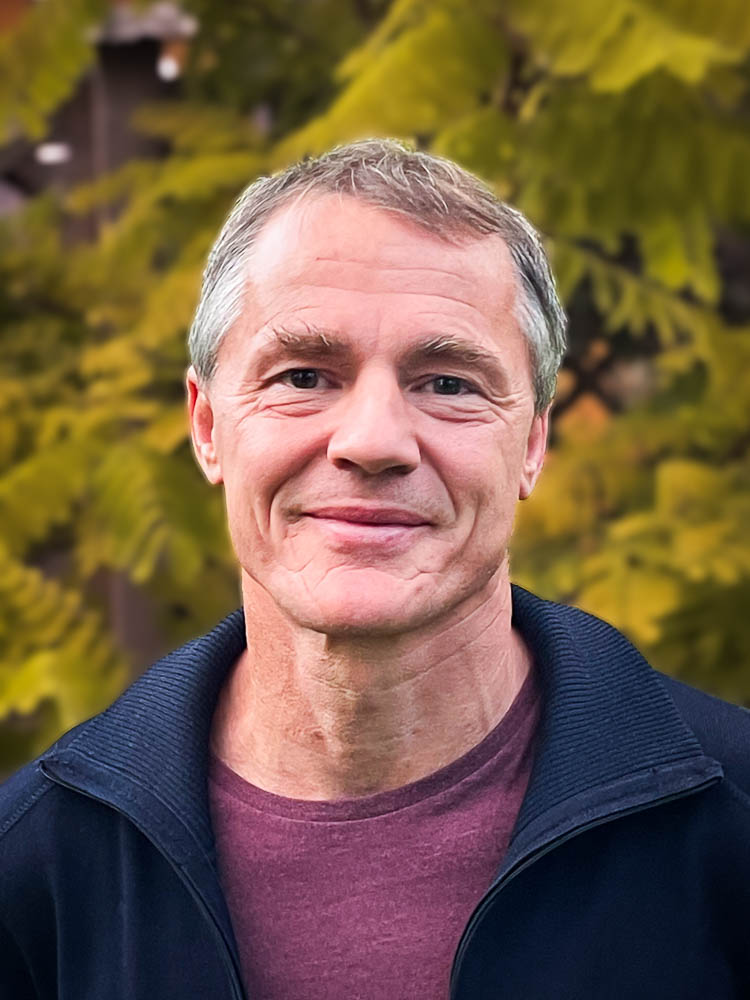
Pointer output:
x,y
342,243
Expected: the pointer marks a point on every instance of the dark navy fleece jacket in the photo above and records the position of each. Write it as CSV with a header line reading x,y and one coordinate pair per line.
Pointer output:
x,y
628,873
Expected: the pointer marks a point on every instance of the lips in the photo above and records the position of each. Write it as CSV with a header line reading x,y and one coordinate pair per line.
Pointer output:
x,y
369,515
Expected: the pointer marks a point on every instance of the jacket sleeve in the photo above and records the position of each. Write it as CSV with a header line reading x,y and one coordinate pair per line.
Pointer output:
x,y
15,979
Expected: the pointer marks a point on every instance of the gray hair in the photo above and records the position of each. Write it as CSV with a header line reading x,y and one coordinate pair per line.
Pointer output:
x,y
431,191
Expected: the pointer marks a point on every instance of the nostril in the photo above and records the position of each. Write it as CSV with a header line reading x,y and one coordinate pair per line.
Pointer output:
x,y
372,468
374,454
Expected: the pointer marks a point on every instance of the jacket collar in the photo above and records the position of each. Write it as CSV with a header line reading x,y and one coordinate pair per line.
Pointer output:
x,y
610,735
610,740
147,757
150,747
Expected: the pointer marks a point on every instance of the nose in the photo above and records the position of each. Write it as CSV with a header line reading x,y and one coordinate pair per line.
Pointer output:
x,y
373,428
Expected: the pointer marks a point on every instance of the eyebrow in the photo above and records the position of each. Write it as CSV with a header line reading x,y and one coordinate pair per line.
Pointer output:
x,y
312,343
318,344
458,351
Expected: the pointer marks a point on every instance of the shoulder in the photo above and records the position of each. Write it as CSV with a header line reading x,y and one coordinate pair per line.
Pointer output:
x,y
18,796
25,798
43,826
723,729
27,827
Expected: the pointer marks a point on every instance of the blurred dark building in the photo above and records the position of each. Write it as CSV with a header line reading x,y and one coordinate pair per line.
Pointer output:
x,y
140,55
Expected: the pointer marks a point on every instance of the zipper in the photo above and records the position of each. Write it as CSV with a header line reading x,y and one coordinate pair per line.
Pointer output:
x,y
238,992
523,863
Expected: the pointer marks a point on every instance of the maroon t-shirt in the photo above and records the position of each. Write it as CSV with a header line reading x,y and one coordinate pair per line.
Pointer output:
x,y
367,898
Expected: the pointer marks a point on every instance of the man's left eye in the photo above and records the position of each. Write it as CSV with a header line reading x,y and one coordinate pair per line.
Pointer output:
x,y
450,385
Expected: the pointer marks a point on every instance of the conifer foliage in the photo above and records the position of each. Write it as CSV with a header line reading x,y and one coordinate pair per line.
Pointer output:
x,y
619,126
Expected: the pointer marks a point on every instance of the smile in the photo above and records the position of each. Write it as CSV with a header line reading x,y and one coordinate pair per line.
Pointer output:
x,y
357,530
370,515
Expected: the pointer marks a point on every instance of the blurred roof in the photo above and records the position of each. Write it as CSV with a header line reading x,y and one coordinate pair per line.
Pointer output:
x,y
126,24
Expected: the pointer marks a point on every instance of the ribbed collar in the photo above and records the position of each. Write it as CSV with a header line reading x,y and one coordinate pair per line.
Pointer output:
x,y
607,721
610,738
151,745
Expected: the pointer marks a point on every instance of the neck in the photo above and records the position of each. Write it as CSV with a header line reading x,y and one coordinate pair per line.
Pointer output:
x,y
313,716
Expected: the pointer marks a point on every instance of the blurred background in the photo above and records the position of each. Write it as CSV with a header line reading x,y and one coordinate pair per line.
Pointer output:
x,y
127,129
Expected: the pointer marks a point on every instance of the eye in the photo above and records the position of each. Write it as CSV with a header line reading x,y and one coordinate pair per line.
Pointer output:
x,y
301,378
450,385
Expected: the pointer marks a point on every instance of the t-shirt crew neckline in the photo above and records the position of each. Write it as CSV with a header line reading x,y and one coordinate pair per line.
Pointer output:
x,y
500,739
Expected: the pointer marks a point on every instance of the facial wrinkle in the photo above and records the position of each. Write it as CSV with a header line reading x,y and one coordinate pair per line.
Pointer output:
x,y
390,291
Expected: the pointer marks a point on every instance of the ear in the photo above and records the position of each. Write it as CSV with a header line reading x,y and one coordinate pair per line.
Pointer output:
x,y
536,446
202,428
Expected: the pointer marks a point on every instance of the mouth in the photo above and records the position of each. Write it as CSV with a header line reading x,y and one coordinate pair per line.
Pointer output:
x,y
359,530
373,516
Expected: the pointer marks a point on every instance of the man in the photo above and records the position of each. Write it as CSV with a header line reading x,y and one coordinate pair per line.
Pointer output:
x,y
389,775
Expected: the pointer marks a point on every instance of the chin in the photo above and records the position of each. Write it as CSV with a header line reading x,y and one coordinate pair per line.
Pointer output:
x,y
372,621
357,611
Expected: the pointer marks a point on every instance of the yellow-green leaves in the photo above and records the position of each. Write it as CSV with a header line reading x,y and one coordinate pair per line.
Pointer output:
x,y
52,648
618,126
437,62
615,43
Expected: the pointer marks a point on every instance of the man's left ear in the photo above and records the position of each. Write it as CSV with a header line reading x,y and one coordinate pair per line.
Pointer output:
x,y
536,448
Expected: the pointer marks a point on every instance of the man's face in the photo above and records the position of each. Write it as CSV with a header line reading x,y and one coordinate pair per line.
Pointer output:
x,y
371,418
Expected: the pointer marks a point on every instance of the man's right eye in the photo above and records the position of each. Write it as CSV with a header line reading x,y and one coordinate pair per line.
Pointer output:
x,y
301,378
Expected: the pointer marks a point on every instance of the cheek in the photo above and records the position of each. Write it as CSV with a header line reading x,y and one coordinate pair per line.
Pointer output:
x,y
481,472
245,473
485,485
262,461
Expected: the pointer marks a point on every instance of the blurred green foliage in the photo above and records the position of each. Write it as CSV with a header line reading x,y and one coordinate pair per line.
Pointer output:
x,y
620,127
